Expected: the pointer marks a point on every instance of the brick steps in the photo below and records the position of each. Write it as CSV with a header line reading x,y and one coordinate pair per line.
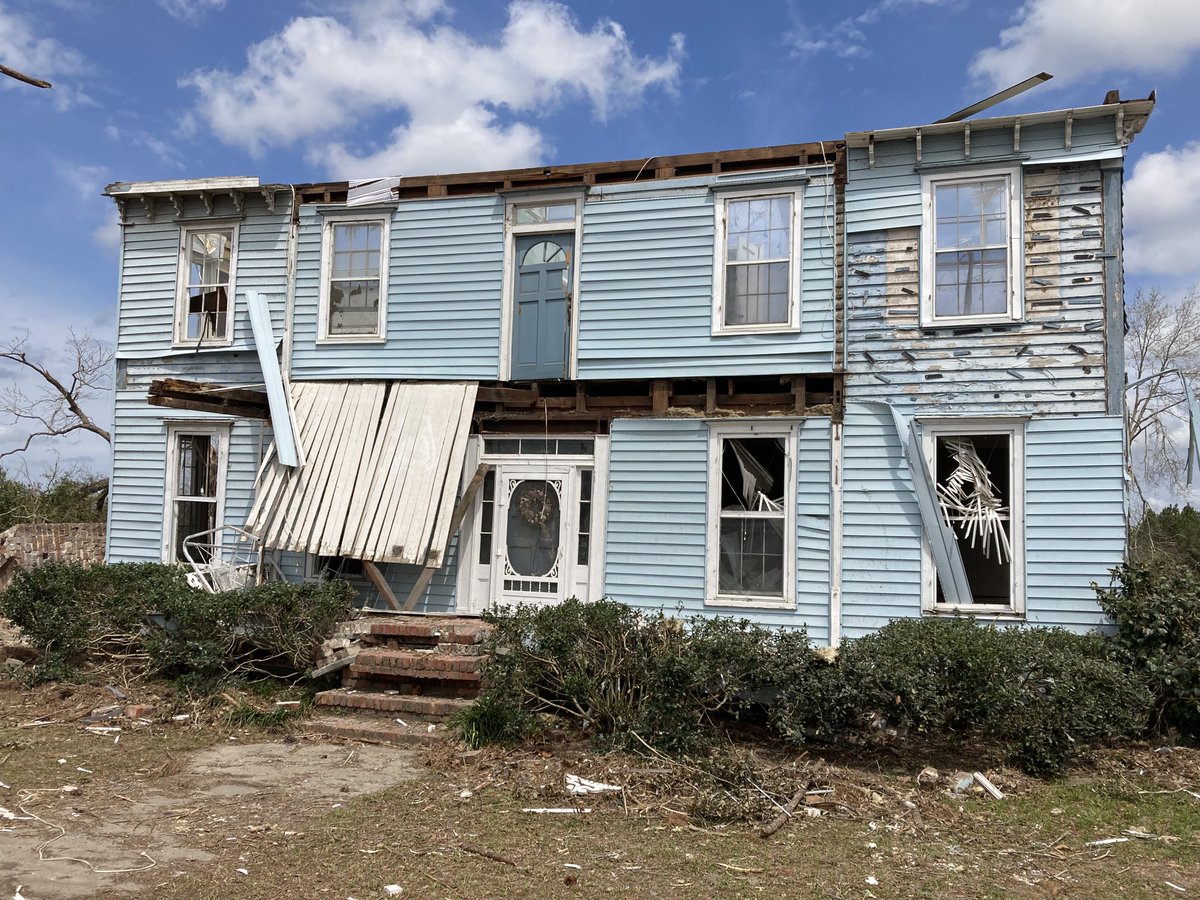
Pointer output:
x,y
375,703
366,728
408,675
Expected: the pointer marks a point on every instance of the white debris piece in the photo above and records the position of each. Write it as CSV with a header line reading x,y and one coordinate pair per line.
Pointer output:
x,y
993,791
563,810
1107,841
577,785
872,880
393,890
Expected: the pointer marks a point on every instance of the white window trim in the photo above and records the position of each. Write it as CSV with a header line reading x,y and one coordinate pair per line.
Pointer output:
x,y
179,336
385,240
716,433
1015,429
221,430
513,230
720,207
1016,247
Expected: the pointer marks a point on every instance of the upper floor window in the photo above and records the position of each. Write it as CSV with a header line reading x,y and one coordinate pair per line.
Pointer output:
x,y
205,290
971,248
354,278
757,267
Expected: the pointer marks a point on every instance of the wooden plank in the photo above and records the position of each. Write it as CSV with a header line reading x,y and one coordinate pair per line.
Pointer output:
x,y
381,584
363,481
389,488
214,405
710,395
268,361
507,395
799,383
460,513
660,395
389,460
425,501
356,441
444,526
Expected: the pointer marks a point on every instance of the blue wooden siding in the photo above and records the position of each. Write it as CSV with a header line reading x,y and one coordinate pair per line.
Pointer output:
x,y
149,263
888,194
657,511
1074,520
1053,361
446,266
646,289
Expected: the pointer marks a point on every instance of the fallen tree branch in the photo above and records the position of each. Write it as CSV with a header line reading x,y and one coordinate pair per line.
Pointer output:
x,y
779,821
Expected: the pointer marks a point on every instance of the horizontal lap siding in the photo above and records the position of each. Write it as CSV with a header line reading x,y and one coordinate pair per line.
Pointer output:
x,y
881,539
1053,362
149,262
888,194
657,512
139,471
446,273
646,291
1074,516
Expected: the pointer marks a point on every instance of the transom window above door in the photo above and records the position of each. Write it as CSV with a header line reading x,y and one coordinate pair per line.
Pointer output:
x,y
354,281
756,272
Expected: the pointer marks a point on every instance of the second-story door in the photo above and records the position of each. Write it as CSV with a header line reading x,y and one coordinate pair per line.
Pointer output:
x,y
542,306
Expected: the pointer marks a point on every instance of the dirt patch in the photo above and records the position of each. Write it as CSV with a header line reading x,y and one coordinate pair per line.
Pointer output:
x,y
87,836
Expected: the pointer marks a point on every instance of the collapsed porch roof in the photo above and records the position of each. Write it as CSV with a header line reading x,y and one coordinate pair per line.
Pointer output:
x,y
382,466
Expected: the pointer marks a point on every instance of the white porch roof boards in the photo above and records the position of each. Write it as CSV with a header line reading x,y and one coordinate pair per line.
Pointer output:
x,y
382,466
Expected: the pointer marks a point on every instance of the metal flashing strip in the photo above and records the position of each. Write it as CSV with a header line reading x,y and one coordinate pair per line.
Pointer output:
x,y
282,425
383,461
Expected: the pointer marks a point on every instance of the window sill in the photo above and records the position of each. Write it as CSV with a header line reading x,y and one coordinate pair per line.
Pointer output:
x,y
949,324
351,339
202,345
780,603
736,331
1001,613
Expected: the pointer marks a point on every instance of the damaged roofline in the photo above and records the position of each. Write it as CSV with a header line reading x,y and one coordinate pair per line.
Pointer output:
x,y
1133,112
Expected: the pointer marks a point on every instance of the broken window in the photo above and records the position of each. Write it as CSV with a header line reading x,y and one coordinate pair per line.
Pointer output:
x,y
971,238
750,538
756,279
355,282
978,489
194,502
205,289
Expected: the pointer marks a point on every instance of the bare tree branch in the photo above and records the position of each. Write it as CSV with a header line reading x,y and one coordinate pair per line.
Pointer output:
x,y
21,76
58,408
1160,335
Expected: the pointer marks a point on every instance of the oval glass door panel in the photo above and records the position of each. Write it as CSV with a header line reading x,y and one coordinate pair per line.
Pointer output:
x,y
533,539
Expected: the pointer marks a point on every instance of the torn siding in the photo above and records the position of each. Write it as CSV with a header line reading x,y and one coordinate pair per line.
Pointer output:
x,y
1051,362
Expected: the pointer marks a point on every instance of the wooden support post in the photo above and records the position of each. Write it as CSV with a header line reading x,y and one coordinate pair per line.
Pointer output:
x,y
710,396
660,395
380,583
580,398
798,391
460,513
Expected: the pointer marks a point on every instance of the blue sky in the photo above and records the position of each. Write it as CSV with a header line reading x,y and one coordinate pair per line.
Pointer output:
x,y
150,89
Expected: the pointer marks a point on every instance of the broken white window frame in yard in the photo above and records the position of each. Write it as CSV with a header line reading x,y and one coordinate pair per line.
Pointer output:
x,y
947,430
327,333
723,266
218,434
1013,246
205,336
778,504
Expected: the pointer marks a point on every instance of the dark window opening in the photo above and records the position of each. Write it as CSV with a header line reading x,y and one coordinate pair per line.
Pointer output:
x,y
751,530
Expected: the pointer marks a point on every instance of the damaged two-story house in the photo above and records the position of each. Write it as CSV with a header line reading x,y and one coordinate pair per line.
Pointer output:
x,y
820,385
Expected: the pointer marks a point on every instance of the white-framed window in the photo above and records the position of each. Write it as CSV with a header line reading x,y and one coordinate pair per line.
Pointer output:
x,y
978,468
757,261
751,515
354,277
205,291
971,247
197,460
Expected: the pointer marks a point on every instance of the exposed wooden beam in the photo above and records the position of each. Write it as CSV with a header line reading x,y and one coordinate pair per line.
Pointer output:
x,y
380,583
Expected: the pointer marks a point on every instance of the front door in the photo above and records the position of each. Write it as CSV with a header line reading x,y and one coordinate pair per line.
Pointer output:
x,y
533,513
542,313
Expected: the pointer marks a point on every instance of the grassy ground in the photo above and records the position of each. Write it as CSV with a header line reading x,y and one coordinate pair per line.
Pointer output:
x,y
231,811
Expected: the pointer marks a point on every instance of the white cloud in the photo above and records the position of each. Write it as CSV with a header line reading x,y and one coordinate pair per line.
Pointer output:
x,y
190,12
461,102
40,57
1076,38
165,152
847,38
1162,213
85,184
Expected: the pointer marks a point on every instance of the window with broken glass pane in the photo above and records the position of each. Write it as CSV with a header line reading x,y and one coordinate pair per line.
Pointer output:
x,y
751,530
354,278
208,260
758,261
971,248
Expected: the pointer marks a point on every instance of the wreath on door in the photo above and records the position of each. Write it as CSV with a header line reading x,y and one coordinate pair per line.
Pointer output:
x,y
537,506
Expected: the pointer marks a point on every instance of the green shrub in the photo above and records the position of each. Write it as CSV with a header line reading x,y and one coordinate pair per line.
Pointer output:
x,y
1157,612
493,720
67,610
1046,693
1168,537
